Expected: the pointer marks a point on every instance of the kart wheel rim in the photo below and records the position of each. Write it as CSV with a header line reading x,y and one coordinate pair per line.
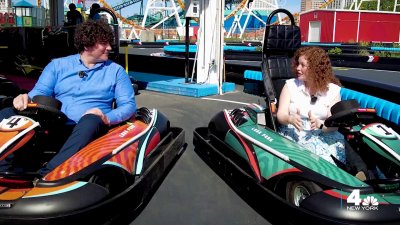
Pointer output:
x,y
300,193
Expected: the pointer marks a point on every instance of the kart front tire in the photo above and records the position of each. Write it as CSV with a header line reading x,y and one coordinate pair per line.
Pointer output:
x,y
297,191
111,180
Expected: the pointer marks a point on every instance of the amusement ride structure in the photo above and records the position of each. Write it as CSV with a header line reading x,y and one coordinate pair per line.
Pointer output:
x,y
166,10
157,13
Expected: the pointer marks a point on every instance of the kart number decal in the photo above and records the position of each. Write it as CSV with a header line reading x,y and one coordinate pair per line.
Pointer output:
x,y
15,123
382,131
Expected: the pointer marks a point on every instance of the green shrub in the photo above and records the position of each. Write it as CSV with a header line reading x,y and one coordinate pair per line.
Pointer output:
x,y
395,55
382,54
364,43
377,44
364,52
233,39
335,51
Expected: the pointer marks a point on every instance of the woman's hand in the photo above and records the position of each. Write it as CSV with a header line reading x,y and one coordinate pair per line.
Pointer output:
x,y
314,122
21,102
98,112
296,121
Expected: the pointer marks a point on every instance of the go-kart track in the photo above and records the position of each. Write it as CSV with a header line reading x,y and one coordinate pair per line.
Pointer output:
x,y
206,160
192,193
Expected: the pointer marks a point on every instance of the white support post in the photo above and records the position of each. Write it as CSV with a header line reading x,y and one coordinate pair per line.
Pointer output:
x,y
211,49
56,12
235,25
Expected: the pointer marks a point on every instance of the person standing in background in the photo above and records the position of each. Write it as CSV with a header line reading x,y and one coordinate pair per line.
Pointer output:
x,y
94,14
74,18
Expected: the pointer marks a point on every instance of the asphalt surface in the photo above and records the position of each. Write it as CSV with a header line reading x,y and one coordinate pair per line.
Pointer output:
x,y
192,193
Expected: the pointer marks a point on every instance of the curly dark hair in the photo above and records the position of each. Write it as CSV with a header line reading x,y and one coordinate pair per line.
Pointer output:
x,y
320,72
91,32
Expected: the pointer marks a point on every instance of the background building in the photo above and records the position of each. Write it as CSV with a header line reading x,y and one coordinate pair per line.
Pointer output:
x,y
5,5
316,4
326,25
6,13
340,4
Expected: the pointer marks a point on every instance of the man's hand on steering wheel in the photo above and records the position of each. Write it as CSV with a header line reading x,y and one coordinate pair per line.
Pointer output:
x,y
21,102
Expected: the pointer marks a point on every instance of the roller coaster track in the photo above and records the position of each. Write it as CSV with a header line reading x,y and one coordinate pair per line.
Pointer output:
x,y
125,4
180,3
239,7
296,15
123,19
326,4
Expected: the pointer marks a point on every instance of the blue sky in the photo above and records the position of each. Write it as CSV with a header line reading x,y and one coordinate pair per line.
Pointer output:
x,y
292,5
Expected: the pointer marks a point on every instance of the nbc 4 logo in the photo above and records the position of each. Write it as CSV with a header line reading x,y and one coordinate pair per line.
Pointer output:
x,y
368,203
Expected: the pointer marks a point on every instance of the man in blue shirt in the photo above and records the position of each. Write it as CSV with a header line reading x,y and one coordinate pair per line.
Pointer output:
x,y
87,84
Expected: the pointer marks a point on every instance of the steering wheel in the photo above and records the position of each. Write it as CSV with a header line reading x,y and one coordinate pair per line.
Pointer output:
x,y
45,110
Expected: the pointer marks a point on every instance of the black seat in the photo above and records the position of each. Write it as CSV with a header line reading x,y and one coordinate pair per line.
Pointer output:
x,y
8,88
280,43
277,69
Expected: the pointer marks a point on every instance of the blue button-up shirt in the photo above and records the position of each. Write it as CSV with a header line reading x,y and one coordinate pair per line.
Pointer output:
x,y
98,88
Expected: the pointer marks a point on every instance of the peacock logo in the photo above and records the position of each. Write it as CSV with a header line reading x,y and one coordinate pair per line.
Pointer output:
x,y
370,201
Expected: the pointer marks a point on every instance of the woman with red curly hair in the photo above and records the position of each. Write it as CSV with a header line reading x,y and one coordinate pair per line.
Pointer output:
x,y
305,103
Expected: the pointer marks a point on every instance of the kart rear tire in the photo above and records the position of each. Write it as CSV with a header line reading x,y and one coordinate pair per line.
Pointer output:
x,y
297,191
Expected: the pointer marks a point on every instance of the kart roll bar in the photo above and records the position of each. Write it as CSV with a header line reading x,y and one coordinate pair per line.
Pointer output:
x,y
280,43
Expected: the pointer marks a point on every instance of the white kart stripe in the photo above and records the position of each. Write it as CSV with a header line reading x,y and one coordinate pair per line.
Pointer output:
x,y
259,144
394,154
123,146
139,162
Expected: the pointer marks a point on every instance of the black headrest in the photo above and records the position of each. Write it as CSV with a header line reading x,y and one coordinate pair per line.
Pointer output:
x,y
280,39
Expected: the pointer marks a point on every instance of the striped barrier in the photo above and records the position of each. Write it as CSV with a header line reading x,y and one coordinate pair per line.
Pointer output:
x,y
373,58
385,109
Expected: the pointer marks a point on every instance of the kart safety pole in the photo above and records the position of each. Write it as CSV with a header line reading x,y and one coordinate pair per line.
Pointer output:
x,y
187,42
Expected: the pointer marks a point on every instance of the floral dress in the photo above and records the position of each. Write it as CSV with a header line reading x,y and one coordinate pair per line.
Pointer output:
x,y
323,144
